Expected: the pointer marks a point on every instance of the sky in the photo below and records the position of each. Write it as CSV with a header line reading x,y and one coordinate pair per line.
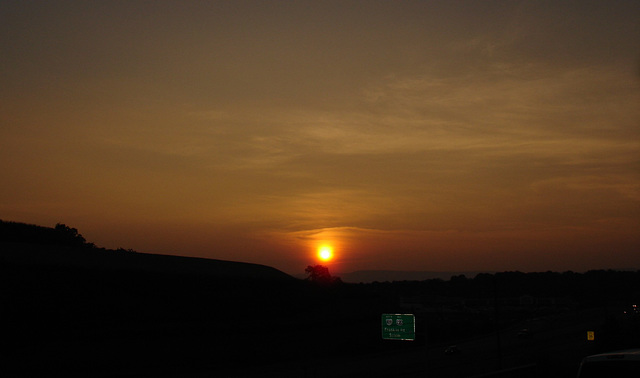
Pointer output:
x,y
407,135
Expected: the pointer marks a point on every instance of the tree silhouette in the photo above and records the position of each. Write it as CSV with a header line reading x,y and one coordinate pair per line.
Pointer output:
x,y
320,274
69,236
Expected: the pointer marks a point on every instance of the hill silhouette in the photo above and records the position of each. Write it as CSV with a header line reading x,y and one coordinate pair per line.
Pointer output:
x,y
63,246
367,276
61,234
71,308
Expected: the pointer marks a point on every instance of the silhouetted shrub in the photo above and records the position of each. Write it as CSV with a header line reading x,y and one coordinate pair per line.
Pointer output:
x,y
320,274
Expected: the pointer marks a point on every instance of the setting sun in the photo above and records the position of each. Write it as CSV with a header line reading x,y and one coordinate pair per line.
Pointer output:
x,y
325,253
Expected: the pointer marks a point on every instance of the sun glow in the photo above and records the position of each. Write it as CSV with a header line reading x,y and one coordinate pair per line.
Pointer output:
x,y
325,253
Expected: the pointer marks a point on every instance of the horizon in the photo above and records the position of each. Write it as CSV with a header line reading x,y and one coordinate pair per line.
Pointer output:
x,y
422,135
357,276
33,237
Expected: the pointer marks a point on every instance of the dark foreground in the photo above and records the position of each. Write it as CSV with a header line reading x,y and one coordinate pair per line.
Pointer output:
x,y
66,319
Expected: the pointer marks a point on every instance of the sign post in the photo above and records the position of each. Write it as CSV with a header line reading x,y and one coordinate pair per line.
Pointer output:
x,y
399,327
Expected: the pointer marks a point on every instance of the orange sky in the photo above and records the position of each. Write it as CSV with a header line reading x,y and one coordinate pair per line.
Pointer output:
x,y
414,135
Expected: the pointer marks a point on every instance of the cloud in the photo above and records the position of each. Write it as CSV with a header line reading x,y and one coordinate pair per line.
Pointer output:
x,y
512,111
429,152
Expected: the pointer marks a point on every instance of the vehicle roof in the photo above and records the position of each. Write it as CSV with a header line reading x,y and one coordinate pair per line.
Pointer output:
x,y
627,354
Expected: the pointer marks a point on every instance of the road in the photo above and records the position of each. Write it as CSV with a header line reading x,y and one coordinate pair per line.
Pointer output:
x,y
555,349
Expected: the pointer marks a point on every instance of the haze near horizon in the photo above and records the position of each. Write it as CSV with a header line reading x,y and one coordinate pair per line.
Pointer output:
x,y
417,135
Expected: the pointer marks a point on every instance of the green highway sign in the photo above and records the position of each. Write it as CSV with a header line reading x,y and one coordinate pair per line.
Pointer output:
x,y
398,327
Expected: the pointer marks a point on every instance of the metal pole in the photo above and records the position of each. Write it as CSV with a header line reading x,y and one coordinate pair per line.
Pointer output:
x,y
497,310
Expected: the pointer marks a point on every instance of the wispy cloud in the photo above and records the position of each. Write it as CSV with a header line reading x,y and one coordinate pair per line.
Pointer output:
x,y
440,125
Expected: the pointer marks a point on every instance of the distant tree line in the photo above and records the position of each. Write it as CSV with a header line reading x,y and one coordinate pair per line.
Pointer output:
x,y
61,234
594,286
